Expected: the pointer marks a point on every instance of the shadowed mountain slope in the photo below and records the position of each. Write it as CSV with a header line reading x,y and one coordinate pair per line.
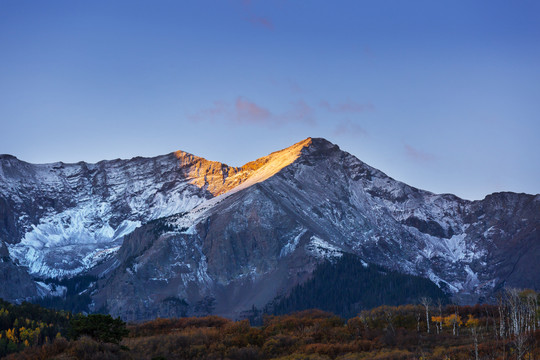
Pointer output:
x,y
179,233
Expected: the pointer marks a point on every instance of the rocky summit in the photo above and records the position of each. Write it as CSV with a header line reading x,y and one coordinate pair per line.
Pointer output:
x,y
178,234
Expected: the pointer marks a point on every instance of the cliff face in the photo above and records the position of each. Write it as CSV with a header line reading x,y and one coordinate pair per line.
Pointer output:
x,y
63,218
178,233
218,178
242,249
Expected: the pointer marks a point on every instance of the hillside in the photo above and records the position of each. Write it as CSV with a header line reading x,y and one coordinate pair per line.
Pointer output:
x,y
178,234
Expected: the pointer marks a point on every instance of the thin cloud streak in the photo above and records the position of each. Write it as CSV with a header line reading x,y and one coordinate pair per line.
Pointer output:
x,y
349,128
295,88
347,107
255,19
300,112
218,109
251,113
418,155
245,111
262,21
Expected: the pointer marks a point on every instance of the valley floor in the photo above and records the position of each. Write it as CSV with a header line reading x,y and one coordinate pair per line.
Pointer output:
x,y
464,332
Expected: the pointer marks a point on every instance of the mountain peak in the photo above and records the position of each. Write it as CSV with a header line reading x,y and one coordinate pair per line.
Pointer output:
x,y
7,157
308,146
314,142
263,168
319,146
219,178
319,142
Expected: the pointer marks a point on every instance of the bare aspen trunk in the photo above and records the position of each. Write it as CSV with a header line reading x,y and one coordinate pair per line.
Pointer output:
x,y
500,306
427,318
456,321
475,336
439,327
426,302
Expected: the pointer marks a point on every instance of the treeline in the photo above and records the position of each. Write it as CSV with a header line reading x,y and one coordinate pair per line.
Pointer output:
x,y
347,285
28,325
430,330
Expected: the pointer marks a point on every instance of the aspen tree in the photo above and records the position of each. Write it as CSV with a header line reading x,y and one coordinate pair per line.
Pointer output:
x,y
425,301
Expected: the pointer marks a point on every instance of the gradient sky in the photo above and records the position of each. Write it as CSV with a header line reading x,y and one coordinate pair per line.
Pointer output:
x,y
443,95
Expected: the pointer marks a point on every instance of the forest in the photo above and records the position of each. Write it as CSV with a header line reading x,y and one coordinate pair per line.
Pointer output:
x,y
430,329
347,285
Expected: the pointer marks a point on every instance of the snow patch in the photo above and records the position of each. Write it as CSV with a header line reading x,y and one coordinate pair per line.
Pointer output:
x,y
454,287
70,235
50,289
322,249
291,245
472,278
456,249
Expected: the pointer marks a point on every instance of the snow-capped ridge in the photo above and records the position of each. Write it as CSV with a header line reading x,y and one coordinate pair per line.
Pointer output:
x,y
269,221
218,178
94,202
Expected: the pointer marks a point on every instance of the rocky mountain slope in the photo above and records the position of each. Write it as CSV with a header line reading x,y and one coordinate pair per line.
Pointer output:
x,y
179,232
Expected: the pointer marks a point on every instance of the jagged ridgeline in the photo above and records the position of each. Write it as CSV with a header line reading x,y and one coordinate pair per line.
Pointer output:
x,y
178,234
347,285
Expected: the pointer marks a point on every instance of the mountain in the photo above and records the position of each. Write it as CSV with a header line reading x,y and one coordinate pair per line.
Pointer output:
x,y
179,233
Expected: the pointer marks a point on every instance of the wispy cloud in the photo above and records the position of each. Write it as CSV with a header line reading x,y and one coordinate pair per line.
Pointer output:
x,y
347,107
216,110
418,155
245,111
295,88
299,112
262,21
255,19
349,128
368,52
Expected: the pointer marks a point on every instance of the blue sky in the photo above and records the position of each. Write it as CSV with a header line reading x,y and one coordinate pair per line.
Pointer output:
x,y
443,95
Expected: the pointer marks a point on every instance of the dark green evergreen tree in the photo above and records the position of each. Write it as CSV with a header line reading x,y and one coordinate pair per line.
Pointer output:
x,y
347,285
100,327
